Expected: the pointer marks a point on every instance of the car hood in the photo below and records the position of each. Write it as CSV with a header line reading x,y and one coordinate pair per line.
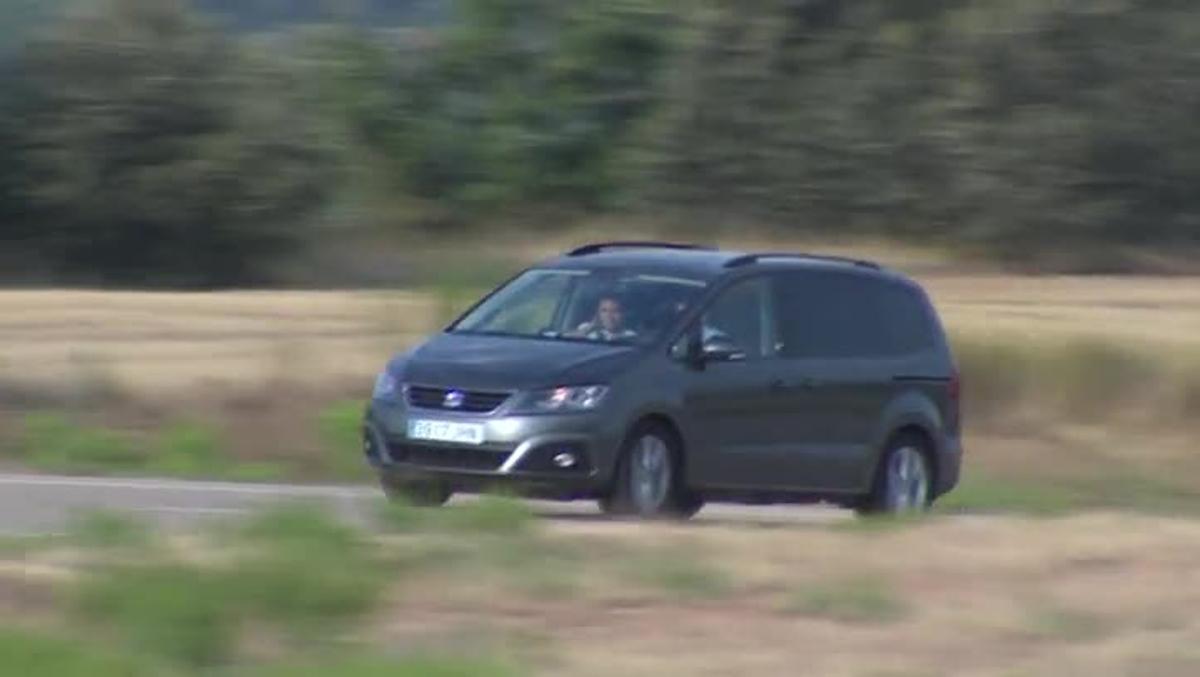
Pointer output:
x,y
506,363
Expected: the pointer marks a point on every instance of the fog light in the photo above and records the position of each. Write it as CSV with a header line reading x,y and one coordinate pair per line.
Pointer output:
x,y
565,460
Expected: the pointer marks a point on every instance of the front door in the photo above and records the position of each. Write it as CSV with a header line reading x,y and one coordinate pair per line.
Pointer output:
x,y
743,413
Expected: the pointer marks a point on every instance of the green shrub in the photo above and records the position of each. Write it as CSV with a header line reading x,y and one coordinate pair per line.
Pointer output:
x,y
189,450
491,514
1091,377
179,613
979,493
304,570
412,666
104,529
51,442
297,527
996,376
292,567
340,427
1052,622
27,654
256,472
399,516
856,600
682,575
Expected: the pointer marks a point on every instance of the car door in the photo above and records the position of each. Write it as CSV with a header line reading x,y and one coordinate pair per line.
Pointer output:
x,y
742,423
831,338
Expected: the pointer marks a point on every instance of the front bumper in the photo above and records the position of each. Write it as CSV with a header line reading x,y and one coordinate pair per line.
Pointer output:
x,y
518,449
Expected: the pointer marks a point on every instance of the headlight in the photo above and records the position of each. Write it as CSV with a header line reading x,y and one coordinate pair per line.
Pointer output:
x,y
386,386
573,398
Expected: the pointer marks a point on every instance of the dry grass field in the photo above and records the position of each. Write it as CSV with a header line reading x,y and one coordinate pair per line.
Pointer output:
x,y
1087,387
1083,401
1101,594
151,342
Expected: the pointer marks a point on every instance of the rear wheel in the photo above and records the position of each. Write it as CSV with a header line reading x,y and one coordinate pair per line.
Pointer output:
x,y
421,493
903,480
649,479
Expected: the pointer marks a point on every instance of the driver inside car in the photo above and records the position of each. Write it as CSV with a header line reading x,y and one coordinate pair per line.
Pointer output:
x,y
608,323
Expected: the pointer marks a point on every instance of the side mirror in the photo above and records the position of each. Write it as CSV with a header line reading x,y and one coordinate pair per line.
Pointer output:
x,y
721,350
698,352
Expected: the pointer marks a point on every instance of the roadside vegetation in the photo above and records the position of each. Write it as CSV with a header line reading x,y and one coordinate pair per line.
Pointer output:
x,y
483,588
1080,393
319,145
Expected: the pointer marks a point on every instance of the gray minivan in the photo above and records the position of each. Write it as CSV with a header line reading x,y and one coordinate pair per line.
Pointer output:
x,y
654,377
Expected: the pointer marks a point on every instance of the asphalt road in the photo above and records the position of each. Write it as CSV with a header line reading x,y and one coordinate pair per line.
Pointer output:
x,y
32,504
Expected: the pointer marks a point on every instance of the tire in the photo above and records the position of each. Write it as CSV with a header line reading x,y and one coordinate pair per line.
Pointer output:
x,y
903,483
648,482
423,494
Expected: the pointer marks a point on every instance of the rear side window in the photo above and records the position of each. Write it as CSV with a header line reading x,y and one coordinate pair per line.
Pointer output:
x,y
830,315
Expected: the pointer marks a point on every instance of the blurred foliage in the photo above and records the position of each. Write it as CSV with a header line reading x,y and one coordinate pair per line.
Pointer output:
x,y
170,611
340,426
293,570
31,654
56,443
152,145
855,600
111,530
415,666
158,150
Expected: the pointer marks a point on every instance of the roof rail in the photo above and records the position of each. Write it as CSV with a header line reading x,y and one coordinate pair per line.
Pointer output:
x,y
597,247
747,259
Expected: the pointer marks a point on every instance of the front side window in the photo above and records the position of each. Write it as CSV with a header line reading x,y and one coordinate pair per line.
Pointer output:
x,y
741,317
601,306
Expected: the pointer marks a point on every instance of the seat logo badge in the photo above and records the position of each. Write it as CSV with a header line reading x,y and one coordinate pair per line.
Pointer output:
x,y
454,399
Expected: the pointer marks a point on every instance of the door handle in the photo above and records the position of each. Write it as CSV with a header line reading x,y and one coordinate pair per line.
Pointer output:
x,y
780,384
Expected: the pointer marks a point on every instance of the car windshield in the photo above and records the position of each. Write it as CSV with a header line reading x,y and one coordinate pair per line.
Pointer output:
x,y
601,306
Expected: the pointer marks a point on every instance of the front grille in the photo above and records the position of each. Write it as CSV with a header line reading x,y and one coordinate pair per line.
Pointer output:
x,y
450,458
473,401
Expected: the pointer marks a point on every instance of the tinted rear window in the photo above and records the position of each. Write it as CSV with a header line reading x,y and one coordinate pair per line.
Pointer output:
x,y
828,314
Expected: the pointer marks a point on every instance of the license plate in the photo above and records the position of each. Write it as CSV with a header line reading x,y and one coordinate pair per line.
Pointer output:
x,y
445,431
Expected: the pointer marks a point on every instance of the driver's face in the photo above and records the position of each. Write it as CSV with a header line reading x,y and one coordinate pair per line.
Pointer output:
x,y
609,314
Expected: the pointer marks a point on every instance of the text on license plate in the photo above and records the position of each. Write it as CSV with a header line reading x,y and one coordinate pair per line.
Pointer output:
x,y
445,431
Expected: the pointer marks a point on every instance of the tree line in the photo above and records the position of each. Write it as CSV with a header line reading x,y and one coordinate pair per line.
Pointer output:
x,y
151,142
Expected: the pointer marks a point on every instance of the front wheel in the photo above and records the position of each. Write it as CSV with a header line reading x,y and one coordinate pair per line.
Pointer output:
x,y
649,479
902,480
420,493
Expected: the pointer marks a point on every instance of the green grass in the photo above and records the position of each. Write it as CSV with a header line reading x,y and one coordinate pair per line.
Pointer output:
x,y
409,666
305,570
1082,379
188,450
51,442
108,530
980,493
1115,485
880,523
292,568
855,600
681,575
54,443
1069,625
490,514
20,546
340,428
177,613
25,653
